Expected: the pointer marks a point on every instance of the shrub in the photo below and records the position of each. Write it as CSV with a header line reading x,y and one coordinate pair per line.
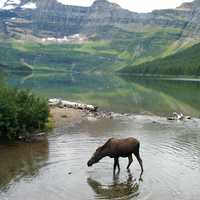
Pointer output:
x,y
21,113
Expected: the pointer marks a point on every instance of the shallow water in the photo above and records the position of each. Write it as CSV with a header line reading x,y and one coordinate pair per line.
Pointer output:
x,y
56,168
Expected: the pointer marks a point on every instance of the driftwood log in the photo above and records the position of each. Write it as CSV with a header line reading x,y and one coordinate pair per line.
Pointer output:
x,y
68,104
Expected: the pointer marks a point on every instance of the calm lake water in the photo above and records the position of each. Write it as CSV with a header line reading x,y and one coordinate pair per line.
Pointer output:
x,y
56,169
119,94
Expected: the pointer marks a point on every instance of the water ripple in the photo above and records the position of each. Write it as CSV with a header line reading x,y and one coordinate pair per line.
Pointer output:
x,y
170,152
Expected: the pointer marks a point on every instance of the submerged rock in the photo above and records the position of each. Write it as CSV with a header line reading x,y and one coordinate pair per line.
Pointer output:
x,y
33,137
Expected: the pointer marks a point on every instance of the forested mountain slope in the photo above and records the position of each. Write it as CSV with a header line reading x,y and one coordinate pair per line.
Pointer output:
x,y
186,62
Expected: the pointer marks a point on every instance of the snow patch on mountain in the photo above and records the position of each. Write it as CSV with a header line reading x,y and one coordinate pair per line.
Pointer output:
x,y
13,2
2,2
9,4
9,7
29,5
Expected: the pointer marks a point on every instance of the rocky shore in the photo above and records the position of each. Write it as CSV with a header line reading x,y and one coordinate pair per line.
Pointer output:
x,y
72,113
69,115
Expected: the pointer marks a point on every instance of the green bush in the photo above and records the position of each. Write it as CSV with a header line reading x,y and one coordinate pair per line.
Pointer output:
x,y
21,113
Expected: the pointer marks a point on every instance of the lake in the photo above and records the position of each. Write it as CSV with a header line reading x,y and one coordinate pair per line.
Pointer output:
x,y
57,167
139,95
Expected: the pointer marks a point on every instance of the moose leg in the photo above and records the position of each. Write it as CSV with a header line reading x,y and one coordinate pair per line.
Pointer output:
x,y
130,160
116,164
137,155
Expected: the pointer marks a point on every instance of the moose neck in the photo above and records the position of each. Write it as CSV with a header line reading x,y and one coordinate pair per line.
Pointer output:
x,y
102,155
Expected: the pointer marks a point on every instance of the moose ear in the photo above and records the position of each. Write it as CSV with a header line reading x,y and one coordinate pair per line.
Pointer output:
x,y
106,144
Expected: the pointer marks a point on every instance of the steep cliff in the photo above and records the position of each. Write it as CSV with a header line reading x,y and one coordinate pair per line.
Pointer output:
x,y
50,18
192,28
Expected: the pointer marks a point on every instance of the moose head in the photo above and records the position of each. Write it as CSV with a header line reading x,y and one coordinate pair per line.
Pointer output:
x,y
100,153
96,157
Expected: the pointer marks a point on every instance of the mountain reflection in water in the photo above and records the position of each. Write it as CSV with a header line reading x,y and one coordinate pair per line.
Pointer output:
x,y
139,95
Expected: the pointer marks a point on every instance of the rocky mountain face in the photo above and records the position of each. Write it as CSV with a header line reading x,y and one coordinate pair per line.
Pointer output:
x,y
45,18
192,28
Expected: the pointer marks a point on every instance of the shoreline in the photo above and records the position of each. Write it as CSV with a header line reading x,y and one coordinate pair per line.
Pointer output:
x,y
70,116
66,116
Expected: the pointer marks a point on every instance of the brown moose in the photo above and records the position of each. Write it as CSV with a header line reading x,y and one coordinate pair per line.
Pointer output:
x,y
115,148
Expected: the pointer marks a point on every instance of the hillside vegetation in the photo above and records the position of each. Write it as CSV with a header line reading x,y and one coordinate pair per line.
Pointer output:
x,y
186,62
97,54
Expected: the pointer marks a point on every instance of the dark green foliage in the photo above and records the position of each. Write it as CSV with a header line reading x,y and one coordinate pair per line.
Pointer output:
x,y
186,62
21,113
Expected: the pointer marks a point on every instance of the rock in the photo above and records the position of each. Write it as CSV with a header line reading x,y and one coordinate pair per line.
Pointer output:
x,y
91,119
188,117
178,116
53,19
33,137
171,118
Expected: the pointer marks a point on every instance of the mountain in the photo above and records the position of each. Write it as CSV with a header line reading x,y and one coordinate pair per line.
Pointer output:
x,y
111,37
42,18
186,62
192,28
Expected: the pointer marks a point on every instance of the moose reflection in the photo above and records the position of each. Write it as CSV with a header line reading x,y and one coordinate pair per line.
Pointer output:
x,y
115,148
117,190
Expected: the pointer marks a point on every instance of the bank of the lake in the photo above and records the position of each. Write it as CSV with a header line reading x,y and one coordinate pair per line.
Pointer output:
x,y
66,116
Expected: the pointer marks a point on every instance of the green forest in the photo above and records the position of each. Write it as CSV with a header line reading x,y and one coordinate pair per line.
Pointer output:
x,y
186,62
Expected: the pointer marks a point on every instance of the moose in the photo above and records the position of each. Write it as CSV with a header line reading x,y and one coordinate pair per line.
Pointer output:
x,y
115,148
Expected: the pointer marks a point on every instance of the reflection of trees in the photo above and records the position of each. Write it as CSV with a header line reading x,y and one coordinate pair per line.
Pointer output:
x,y
21,160
186,93
119,94
117,190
